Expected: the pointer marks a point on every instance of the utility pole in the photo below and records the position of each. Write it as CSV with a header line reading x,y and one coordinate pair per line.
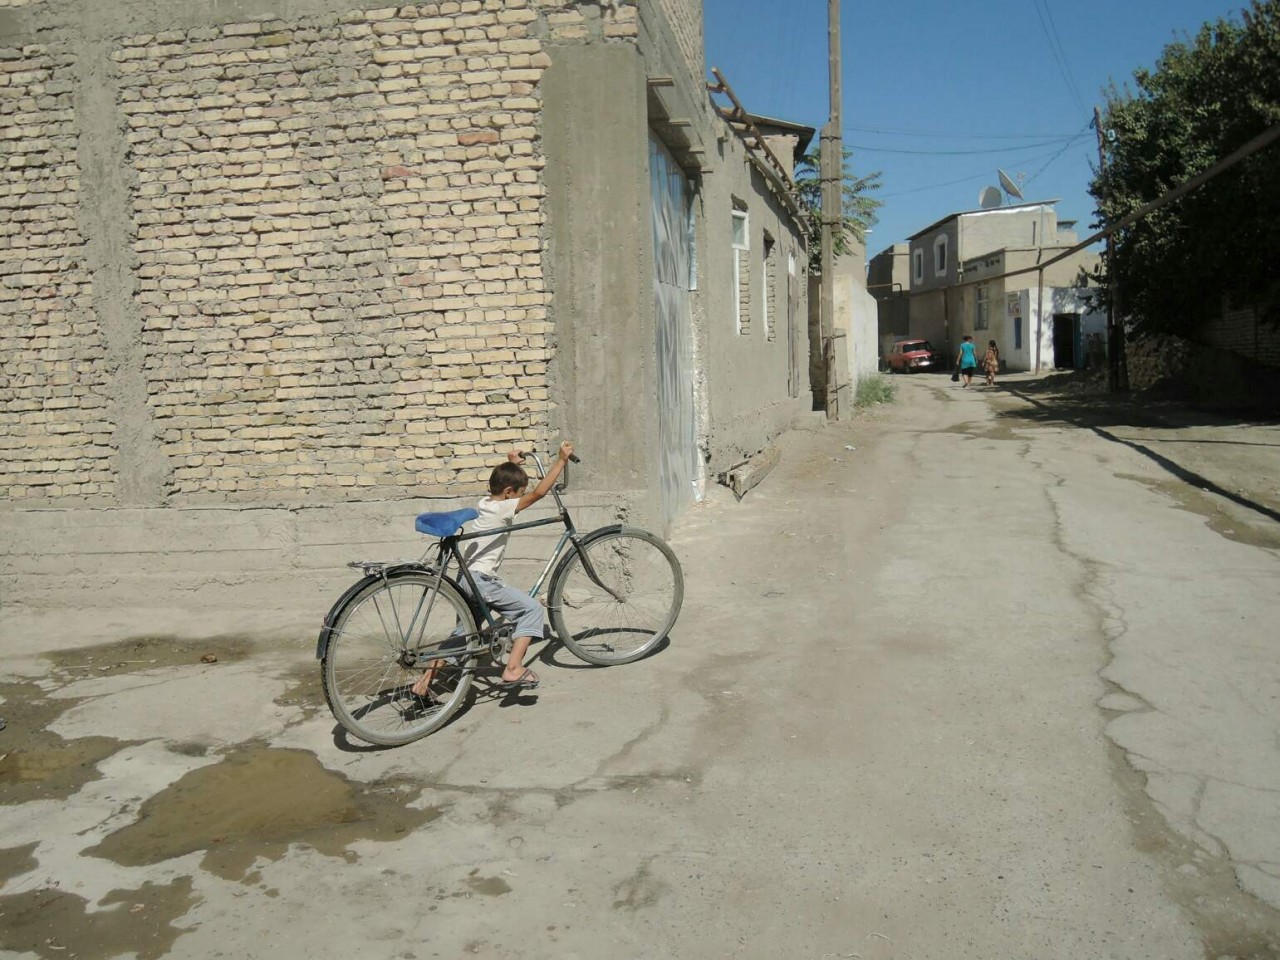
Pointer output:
x,y
1117,368
831,173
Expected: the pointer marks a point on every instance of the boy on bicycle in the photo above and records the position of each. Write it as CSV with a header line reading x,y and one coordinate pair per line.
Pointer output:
x,y
507,496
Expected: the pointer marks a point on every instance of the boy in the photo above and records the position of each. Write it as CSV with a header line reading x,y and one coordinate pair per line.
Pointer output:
x,y
507,497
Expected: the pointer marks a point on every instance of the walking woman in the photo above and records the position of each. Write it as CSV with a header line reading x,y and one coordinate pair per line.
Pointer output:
x,y
968,359
991,362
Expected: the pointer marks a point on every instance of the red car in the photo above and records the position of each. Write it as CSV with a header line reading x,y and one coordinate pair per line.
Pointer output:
x,y
907,356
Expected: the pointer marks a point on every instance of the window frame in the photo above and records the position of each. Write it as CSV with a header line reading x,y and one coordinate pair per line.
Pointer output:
x,y
739,250
940,251
917,265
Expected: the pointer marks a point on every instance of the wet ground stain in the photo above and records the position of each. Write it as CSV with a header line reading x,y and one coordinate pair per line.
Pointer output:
x,y
15,861
1232,924
304,694
486,886
255,803
138,654
1194,500
53,923
37,764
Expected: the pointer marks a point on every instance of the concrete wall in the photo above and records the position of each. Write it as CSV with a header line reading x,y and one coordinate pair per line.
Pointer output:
x,y
924,243
982,231
596,140
751,391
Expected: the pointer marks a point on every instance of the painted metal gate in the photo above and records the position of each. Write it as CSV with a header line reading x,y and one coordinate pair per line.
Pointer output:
x,y
673,278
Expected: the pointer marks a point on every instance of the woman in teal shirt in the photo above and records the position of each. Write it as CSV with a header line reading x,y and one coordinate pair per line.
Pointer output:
x,y
968,360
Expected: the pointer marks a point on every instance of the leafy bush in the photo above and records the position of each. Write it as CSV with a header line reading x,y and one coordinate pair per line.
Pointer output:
x,y
874,389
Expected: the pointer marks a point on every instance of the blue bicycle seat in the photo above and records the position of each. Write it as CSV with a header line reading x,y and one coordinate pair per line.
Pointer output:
x,y
444,524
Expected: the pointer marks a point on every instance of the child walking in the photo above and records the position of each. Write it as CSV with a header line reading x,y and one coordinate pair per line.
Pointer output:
x,y
508,495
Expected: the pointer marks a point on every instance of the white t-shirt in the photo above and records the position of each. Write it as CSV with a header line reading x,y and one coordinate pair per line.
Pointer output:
x,y
485,553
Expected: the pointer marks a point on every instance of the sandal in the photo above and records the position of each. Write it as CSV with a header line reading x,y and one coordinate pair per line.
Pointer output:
x,y
526,681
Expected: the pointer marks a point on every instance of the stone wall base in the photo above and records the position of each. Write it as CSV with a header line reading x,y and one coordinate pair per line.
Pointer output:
x,y
72,578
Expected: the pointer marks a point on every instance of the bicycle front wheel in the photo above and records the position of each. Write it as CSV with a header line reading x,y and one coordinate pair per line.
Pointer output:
x,y
620,604
376,654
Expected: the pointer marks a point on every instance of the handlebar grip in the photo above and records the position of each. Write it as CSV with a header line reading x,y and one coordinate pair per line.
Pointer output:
x,y
573,458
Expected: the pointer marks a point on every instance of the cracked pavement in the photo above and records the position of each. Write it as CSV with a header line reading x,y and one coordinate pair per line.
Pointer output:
x,y
984,674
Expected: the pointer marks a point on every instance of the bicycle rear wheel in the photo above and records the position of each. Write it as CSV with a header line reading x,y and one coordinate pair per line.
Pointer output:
x,y
375,645
630,610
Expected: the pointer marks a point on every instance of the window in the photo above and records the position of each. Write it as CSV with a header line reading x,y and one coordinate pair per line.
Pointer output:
x,y
917,266
741,241
981,307
940,256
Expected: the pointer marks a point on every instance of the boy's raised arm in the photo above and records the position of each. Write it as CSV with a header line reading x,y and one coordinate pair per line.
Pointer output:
x,y
546,483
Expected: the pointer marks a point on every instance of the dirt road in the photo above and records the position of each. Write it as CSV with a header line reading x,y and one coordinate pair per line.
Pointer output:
x,y
988,674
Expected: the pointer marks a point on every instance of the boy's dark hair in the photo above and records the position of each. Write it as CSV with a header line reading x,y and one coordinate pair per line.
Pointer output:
x,y
507,475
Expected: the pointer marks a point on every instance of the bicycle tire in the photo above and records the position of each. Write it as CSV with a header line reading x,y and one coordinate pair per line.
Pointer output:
x,y
363,672
606,630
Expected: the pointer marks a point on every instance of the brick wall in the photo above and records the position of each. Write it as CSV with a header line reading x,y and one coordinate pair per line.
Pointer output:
x,y
1241,331
685,20
770,268
55,439
744,291
335,232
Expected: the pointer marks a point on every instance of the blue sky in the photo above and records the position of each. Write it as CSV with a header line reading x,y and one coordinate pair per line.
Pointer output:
x,y
937,92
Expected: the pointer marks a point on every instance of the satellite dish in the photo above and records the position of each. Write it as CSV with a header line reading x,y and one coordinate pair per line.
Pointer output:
x,y
1011,188
990,197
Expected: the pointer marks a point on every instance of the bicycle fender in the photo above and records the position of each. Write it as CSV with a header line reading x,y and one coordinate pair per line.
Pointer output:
x,y
602,531
322,642
585,539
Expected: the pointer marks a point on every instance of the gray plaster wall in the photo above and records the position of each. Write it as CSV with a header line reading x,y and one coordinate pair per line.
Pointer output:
x,y
596,140
747,389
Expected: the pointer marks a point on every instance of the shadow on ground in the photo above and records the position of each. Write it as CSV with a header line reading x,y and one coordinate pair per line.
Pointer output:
x,y
1104,414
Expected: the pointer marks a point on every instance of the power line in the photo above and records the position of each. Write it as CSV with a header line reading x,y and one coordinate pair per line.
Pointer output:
x,y
889,131
1055,48
1058,154
985,175
955,153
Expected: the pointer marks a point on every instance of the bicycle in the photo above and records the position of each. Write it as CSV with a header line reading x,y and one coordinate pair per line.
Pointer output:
x,y
614,595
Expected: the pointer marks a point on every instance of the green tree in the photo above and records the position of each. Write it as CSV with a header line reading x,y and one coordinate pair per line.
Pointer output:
x,y
857,217
1207,96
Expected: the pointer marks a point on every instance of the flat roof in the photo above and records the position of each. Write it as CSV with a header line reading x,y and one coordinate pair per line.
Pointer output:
x,y
806,134
966,213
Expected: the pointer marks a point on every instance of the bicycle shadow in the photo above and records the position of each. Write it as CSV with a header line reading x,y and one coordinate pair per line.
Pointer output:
x,y
485,688
556,654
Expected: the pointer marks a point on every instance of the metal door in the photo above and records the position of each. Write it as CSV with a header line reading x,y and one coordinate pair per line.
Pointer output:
x,y
672,214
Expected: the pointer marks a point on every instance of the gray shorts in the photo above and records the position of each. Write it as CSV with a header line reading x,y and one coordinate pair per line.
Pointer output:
x,y
518,607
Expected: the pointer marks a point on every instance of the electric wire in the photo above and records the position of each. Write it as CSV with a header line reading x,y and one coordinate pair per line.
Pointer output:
x,y
1066,147
890,131
986,174
1056,50
956,153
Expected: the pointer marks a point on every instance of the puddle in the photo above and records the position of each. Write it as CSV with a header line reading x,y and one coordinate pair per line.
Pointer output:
x,y
144,653
54,923
257,802
15,861
1210,507
997,431
486,886
37,764
304,693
